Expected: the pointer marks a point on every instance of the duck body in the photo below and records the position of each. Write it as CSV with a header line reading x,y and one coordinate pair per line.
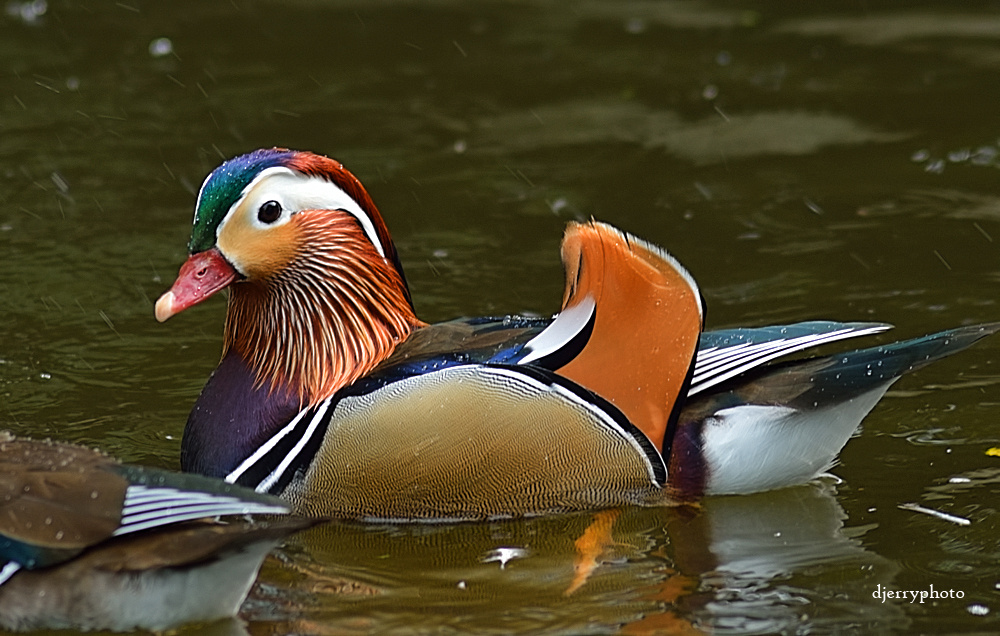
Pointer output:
x,y
88,543
332,394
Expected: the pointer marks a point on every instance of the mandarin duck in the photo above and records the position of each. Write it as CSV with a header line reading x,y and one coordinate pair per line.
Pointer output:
x,y
332,394
89,543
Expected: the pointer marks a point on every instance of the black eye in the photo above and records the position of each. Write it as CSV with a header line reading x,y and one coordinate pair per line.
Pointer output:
x,y
269,212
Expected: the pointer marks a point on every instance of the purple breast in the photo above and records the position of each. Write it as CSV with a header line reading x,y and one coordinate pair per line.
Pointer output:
x,y
232,418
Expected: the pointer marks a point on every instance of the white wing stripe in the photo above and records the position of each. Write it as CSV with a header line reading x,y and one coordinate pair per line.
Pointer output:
x,y
566,326
706,355
8,571
150,507
719,364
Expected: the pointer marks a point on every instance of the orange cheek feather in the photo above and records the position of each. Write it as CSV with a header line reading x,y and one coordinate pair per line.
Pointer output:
x,y
255,252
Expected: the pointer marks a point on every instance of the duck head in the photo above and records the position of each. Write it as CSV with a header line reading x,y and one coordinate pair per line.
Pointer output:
x,y
317,293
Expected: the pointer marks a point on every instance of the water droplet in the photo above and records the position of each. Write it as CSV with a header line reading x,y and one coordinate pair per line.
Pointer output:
x,y
559,205
635,26
60,182
958,156
29,12
161,47
984,155
503,555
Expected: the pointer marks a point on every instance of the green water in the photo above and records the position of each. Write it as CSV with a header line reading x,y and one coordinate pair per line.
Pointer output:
x,y
820,160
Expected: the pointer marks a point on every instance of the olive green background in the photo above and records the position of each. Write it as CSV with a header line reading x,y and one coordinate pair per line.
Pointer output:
x,y
804,160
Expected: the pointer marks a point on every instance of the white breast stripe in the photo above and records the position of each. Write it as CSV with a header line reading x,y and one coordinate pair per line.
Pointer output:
x,y
718,364
264,449
269,481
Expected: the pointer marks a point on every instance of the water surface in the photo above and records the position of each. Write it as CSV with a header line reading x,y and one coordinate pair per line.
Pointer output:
x,y
803,161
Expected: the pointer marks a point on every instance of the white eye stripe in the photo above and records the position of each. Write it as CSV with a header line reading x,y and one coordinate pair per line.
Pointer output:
x,y
296,192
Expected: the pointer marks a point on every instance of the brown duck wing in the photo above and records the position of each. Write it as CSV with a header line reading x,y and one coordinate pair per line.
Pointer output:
x,y
56,500
646,316
59,498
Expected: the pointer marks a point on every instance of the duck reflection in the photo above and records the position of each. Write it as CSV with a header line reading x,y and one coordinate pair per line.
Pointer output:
x,y
775,562
782,562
